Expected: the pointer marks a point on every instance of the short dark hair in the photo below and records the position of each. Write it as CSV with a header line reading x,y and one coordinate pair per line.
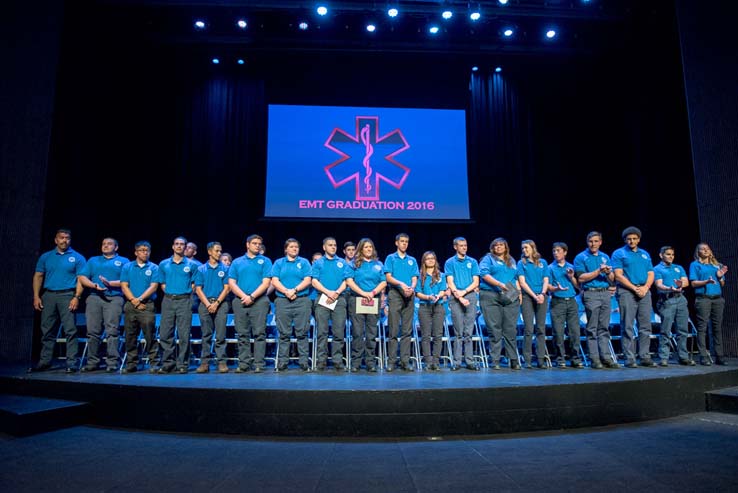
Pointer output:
x,y
327,238
560,244
402,235
593,233
251,238
142,243
665,248
631,230
349,244
212,244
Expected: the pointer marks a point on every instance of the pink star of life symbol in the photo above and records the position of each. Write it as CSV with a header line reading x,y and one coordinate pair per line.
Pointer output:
x,y
356,164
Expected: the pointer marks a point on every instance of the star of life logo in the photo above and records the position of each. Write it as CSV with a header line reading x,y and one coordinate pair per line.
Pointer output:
x,y
367,158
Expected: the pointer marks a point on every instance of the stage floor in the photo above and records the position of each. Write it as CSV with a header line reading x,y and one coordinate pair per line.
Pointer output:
x,y
425,403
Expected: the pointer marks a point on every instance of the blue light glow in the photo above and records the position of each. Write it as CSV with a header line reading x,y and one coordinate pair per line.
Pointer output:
x,y
240,61
498,69
475,16
215,61
433,30
371,28
502,2
550,34
199,24
475,68
242,23
322,10
303,26
393,12
447,14
508,32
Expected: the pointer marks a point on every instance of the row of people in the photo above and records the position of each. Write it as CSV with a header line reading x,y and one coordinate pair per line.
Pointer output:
x,y
333,288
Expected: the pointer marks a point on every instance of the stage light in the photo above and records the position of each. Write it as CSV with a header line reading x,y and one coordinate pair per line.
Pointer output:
x,y
371,28
322,10
392,12
447,14
498,69
508,32
215,61
240,61
242,23
475,16
303,26
502,2
199,24
551,33
475,68
433,30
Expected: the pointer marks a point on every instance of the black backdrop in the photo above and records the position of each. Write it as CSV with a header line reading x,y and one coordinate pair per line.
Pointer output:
x,y
153,141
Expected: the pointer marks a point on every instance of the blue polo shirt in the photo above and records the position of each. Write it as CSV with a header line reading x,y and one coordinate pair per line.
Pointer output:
x,y
60,270
588,262
249,272
291,273
533,274
140,277
498,269
635,264
461,270
702,272
557,275
368,276
330,272
211,279
178,277
402,268
109,268
668,273
430,289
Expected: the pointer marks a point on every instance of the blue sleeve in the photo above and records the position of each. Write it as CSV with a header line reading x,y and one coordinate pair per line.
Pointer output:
x,y
198,278
617,260
519,270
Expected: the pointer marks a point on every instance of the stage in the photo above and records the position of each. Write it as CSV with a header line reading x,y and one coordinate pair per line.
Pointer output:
x,y
331,404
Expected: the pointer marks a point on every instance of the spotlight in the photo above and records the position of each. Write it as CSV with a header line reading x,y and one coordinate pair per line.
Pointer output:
x,y
475,68
498,69
303,26
475,16
551,33
433,30
322,10
371,28
240,61
215,61
242,23
502,2
447,14
199,24
508,32
392,12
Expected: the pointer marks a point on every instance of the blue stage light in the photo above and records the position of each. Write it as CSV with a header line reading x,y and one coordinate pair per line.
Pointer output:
x,y
551,33
240,61
475,16
303,26
475,68
371,28
502,2
322,10
199,24
433,30
498,69
242,23
215,61
508,32
392,12
447,14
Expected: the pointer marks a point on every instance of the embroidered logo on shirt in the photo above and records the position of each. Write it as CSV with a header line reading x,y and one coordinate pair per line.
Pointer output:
x,y
221,274
118,263
187,269
148,272
409,262
340,265
72,259
260,261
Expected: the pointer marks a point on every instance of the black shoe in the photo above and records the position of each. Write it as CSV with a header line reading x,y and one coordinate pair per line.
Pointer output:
x,y
687,362
40,368
596,365
515,365
281,368
613,365
164,370
705,362
562,365
455,368
339,368
129,369
664,362
70,370
406,367
182,370
258,369
721,362
88,369
320,367
495,366
472,367
304,367
544,365
111,369
631,364
372,369
435,367
578,365
390,368
647,362
355,368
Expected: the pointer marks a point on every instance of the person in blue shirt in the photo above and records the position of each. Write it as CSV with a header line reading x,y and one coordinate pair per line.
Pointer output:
x,y
634,276
432,293
211,287
139,283
249,280
462,278
707,276
104,305
367,282
499,298
176,275
595,276
563,287
56,273
291,278
532,272
401,273
671,281
329,280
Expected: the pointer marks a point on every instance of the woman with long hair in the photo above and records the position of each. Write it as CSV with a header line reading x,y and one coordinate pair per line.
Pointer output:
x,y
432,295
367,282
532,272
707,277
499,298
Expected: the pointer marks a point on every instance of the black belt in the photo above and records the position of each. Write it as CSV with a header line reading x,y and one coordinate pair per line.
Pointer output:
x,y
177,296
596,289
669,295
710,296
212,300
60,290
